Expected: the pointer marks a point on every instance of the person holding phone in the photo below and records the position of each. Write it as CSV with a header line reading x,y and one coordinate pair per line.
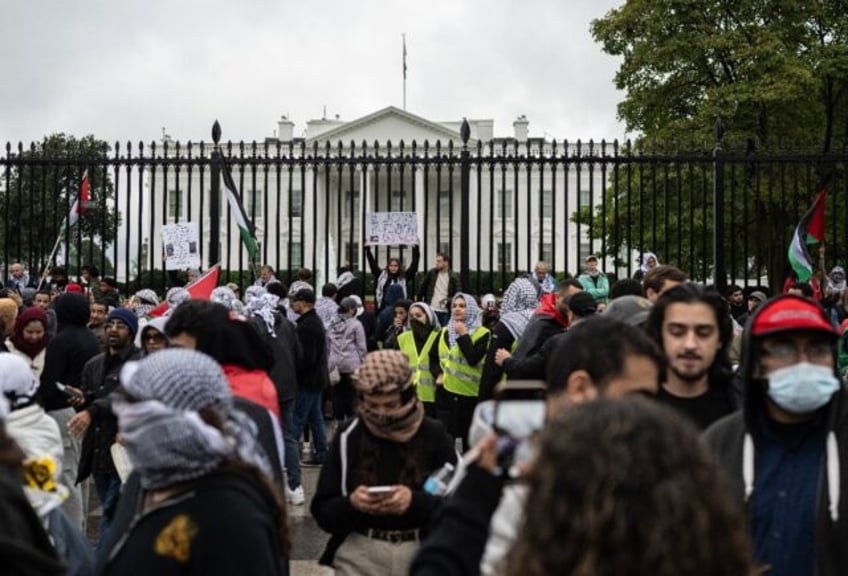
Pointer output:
x,y
370,495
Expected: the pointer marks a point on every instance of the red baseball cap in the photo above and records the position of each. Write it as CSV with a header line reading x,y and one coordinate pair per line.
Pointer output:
x,y
790,312
74,288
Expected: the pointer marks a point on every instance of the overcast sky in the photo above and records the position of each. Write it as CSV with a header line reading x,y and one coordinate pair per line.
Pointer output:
x,y
123,70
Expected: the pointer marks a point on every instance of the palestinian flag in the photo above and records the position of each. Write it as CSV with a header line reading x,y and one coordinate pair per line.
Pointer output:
x,y
200,289
246,228
82,202
809,232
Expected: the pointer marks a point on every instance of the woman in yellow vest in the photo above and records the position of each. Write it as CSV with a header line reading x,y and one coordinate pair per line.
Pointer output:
x,y
462,349
420,344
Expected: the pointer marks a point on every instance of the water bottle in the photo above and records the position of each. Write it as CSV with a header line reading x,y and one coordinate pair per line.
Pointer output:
x,y
437,483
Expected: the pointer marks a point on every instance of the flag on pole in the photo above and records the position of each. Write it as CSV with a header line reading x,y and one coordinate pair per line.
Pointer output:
x,y
809,232
200,289
246,228
81,203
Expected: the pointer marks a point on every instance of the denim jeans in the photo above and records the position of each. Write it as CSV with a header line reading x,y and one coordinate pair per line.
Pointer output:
x,y
308,408
292,462
108,488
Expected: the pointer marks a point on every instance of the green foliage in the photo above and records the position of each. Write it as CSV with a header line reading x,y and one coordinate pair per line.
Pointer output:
x,y
38,190
774,72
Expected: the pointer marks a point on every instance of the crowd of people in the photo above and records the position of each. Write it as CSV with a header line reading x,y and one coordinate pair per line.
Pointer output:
x,y
645,425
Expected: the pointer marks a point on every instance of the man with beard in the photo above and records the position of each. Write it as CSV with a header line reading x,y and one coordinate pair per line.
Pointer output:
x,y
692,327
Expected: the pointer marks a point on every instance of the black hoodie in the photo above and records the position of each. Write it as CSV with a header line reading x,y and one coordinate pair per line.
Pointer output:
x,y
727,438
67,352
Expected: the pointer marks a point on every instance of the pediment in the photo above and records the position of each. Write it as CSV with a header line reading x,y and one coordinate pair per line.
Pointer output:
x,y
389,124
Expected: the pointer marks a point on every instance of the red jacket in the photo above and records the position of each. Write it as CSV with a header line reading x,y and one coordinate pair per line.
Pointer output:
x,y
547,307
254,385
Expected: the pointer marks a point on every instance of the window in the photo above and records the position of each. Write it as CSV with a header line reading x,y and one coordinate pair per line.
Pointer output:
x,y
253,203
351,253
175,200
585,250
547,253
444,247
504,200
504,256
444,204
585,198
296,203
296,255
351,203
400,201
547,203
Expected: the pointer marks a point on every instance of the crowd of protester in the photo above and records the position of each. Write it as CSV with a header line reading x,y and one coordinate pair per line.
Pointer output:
x,y
587,425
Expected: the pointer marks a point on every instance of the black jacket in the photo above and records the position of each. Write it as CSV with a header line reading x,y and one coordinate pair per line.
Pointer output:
x,y
468,513
312,371
428,286
286,351
100,377
68,351
222,524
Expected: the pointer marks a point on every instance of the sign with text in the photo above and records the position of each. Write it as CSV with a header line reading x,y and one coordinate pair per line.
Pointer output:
x,y
391,228
181,243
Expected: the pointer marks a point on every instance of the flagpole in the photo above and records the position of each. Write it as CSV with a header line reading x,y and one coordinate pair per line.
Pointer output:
x,y
404,72
52,256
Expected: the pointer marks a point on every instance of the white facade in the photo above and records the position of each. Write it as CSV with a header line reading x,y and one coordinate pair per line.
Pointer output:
x,y
303,213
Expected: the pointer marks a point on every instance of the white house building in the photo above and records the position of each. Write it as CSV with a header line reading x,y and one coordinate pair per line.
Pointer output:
x,y
307,195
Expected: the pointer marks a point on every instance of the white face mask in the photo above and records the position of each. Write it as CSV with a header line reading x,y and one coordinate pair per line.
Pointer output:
x,y
802,388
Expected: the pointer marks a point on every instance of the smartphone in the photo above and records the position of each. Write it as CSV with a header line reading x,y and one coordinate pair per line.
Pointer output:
x,y
520,411
520,408
67,391
380,491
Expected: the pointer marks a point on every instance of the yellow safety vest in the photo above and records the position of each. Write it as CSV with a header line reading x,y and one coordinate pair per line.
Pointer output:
x,y
422,376
460,377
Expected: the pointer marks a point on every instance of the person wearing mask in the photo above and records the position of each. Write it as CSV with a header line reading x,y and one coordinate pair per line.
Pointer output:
x,y
463,344
392,274
420,345
143,302
204,503
95,421
399,323
67,353
370,494
784,450
346,350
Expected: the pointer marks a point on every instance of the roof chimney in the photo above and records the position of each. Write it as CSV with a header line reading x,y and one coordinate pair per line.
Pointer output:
x,y
520,126
285,129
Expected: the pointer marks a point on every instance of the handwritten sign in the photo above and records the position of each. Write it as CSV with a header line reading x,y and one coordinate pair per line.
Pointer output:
x,y
181,243
391,228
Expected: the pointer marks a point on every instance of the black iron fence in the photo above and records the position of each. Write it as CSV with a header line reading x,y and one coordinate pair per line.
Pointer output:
x,y
721,212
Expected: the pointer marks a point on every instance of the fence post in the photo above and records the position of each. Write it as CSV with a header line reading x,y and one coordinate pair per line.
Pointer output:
x,y
719,272
215,197
464,222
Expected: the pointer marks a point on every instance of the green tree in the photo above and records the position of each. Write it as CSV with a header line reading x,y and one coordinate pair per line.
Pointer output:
x,y
773,71
40,184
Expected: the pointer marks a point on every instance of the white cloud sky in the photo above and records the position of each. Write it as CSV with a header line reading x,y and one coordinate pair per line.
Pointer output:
x,y
124,70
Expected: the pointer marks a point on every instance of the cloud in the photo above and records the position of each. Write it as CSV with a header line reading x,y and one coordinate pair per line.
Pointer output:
x,y
123,71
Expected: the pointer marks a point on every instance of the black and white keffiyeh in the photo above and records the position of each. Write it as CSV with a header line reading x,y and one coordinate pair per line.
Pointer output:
x,y
163,432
